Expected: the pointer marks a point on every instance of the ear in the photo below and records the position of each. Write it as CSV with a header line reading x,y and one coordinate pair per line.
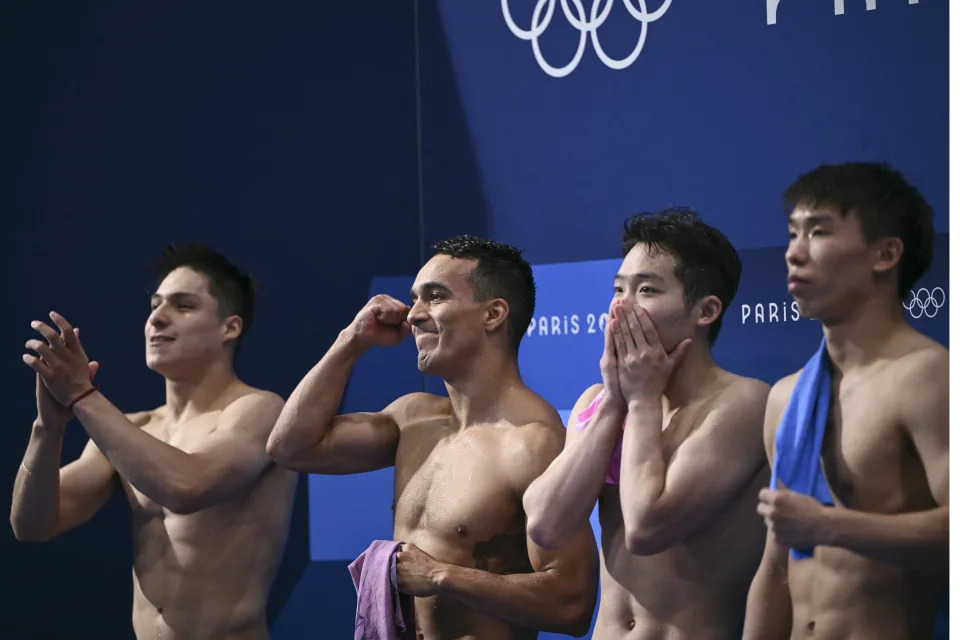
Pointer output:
x,y
232,328
497,312
707,310
887,254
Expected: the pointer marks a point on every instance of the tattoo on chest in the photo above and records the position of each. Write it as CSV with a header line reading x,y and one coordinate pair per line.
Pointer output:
x,y
503,554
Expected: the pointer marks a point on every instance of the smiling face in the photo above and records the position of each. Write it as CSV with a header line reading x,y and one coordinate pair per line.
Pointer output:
x,y
185,328
448,324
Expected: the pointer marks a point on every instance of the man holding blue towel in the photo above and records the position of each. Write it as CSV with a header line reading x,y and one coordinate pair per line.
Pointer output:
x,y
858,506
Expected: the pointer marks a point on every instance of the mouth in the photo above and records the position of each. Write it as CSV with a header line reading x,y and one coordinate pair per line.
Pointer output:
x,y
793,282
160,339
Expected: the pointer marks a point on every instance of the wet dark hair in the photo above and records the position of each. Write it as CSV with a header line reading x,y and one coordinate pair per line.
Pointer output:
x,y
234,290
501,272
706,262
885,203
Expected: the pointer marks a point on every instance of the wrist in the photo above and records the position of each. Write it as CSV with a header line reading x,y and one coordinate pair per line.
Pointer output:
x,y
43,427
828,528
644,402
612,405
350,343
444,578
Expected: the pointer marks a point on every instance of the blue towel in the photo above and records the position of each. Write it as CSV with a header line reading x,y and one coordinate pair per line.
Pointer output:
x,y
796,460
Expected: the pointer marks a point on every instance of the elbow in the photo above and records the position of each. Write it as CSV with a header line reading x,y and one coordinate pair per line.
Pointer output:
x,y
27,534
576,617
185,497
645,540
540,528
275,450
542,534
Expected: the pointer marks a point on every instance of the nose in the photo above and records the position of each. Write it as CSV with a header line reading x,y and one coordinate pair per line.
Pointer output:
x,y
796,251
158,317
417,314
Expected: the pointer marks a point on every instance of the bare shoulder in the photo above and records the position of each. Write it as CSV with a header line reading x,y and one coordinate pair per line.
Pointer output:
x,y
780,392
249,401
529,449
143,418
745,392
921,358
415,407
588,396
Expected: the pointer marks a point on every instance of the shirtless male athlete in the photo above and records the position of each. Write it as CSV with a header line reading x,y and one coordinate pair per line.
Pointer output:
x,y
860,237
210,509
461,462
673,448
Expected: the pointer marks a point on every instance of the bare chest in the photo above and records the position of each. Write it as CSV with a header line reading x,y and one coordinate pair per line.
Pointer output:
x,y
187,437
454,488
867,457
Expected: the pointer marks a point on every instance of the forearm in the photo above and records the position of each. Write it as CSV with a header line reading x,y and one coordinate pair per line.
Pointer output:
x,y
769,609
308,413
643,471
35,508
539,600
917,540
560,501
161,472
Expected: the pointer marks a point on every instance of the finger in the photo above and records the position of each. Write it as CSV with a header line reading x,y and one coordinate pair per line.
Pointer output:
x,y
404,330
768,522
36,364
626,332
646,332
66,330
49,333
391,314
93,367
649,328
764,510
677,354
42,349
766,495
781,486
608,346
618,341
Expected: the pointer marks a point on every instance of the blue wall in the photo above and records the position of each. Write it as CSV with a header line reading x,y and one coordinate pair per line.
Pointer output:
x,y
324,147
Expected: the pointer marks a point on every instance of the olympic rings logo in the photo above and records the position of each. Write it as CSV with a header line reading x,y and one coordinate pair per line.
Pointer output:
x,y
925,302
543,14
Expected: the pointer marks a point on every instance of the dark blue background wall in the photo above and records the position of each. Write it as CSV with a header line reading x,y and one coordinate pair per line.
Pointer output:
x,y
321,146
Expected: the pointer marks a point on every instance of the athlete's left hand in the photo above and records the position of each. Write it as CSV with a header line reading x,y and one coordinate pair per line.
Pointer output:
x,y
60,360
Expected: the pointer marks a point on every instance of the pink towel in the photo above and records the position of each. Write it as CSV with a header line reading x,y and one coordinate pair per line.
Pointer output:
x,y
583,419
381,612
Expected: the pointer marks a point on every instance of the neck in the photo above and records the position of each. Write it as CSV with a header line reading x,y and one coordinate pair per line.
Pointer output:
x,y
199,390
477,394
692,376
858,338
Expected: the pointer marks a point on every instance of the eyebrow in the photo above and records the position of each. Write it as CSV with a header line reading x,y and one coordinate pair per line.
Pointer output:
x,y
809,221
636,277
431,286
176,295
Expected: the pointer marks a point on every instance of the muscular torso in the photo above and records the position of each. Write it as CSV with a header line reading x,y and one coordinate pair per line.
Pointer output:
x,y
453,499
207,574
870,465
696,589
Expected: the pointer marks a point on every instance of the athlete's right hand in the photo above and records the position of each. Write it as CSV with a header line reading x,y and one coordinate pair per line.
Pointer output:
x,y
381,323
609,370
51,413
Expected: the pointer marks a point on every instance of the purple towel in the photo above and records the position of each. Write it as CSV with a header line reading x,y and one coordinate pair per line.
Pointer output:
x,y
381,612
